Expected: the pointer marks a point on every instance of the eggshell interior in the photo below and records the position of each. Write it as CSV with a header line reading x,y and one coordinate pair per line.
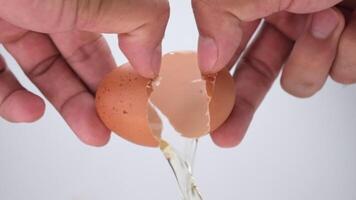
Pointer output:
x,y
181,94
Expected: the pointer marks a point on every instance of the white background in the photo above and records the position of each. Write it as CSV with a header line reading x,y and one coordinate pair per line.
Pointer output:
x,y
295,149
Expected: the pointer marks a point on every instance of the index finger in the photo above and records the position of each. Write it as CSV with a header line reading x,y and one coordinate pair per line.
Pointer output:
x,y
219,24
140,24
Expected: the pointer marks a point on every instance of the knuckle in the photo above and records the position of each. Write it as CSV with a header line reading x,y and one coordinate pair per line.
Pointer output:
x,y
10,33
87,12
43,66
302,88
245,10
344,75
344,68
262,68
86,50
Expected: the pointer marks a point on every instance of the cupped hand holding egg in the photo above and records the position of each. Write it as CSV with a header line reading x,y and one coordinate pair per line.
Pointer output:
x,y
194,104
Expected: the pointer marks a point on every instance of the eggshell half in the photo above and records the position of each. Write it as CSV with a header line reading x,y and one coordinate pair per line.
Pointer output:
x,y
122,104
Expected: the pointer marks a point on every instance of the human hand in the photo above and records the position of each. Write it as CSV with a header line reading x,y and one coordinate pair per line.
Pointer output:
x,y
58,45
310,46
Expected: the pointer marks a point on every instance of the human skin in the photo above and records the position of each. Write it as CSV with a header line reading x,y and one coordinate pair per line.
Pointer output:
x,y
61,50
58,45
311,39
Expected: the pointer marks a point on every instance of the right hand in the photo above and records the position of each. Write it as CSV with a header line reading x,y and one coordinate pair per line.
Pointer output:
x,y
308,37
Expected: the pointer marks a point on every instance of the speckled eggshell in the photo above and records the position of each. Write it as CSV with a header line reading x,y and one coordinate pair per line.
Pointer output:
x,y
122,104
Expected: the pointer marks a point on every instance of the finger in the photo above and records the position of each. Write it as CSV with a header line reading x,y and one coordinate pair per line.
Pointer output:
x,y
16,103
248,29
253,79
143,49
313,54
291,25
218,24
12,33
248,10
140,24
87,53
43,64
220,36
344,69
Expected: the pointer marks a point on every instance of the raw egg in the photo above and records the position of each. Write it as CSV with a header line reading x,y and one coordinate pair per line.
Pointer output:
x,y
194,104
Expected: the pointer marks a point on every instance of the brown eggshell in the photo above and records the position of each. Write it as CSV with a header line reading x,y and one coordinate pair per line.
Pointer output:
x,y
222,99
122,104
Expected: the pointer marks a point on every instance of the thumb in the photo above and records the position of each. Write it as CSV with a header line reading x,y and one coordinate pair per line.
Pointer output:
x,y
219,24
140,24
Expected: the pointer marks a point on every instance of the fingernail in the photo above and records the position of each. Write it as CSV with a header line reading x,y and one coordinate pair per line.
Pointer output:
x,y
324,23
207,54
156,60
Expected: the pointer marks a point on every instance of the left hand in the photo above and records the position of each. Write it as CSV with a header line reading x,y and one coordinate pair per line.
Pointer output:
x,y
59,46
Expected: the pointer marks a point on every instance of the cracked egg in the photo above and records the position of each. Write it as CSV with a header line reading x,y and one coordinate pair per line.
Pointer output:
x,y
193,103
